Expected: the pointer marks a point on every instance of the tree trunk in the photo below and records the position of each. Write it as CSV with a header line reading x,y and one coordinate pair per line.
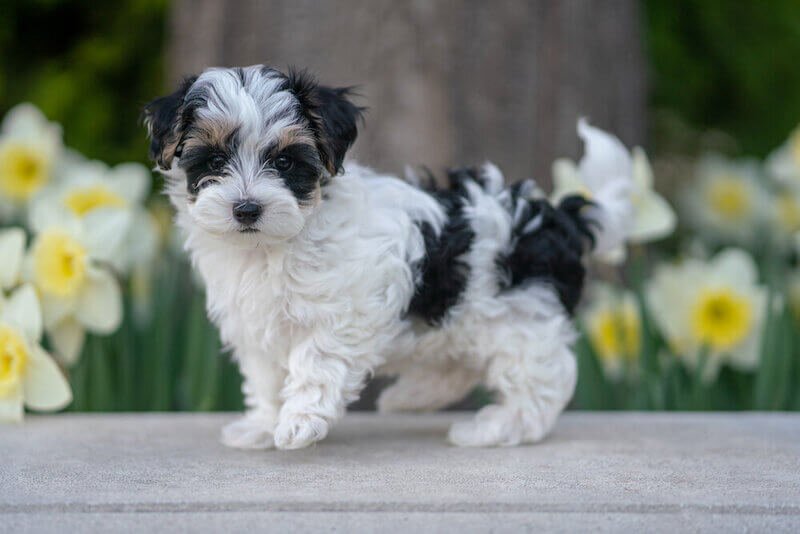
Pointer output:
x,y
449,82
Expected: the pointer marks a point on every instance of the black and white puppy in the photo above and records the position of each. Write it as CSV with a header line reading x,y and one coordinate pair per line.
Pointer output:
x,y
319,273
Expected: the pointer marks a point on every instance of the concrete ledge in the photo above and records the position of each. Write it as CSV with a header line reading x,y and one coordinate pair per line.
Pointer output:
x,y
608,471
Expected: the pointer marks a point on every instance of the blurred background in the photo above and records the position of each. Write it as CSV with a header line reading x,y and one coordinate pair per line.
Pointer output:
x,y
706,87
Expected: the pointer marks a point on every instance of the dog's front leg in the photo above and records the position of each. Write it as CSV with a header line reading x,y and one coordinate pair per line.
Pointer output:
x,y
318,388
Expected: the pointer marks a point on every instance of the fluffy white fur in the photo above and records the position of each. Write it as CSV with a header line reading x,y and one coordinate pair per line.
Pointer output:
x,y
314,302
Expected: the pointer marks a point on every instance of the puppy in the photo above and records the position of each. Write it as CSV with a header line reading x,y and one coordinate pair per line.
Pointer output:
x,y
320,273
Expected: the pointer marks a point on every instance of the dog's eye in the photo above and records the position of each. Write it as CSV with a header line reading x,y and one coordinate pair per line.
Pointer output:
x,y
216,162
205,182
283,163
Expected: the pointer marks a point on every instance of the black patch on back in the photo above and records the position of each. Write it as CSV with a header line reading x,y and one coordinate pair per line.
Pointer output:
x,y
443,272
552,251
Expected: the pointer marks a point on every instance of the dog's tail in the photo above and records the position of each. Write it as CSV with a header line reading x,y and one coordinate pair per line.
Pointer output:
x,y
548,243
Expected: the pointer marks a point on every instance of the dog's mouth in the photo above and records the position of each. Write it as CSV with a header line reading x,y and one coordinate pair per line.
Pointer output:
x,y
248,231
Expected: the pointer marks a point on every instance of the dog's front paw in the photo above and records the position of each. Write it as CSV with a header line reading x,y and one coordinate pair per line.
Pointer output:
x,y
299,430
249,432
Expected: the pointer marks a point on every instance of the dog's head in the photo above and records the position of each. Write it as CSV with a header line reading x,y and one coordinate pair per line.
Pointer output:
x,y
246,151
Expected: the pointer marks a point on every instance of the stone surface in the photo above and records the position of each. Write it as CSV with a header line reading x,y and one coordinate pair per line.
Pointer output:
x,y
602,471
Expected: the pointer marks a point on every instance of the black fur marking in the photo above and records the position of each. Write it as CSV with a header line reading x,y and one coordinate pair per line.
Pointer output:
x,y
331,115
443,273
303,176
164,116
201,161
551,249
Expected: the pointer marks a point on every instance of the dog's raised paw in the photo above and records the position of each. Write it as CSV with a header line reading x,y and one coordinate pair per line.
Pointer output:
x,y
299,430
247,433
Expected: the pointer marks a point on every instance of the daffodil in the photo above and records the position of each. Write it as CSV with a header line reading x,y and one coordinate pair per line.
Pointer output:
x,y
29,148
28,375
785,214
614,328
68,265
91,191
608,173
710,312
12,251
784,162
727,202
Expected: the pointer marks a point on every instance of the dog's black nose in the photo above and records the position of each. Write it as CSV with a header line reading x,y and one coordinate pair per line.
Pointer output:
x,y
247,212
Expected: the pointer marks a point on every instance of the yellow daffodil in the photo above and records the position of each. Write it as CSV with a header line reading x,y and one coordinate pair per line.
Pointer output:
x,y
614,328
29,147
713,308
28,375
727,202
784,162
93,192
609,173
68,265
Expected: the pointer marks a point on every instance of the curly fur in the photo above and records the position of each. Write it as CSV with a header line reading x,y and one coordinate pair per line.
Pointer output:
x,y
364,273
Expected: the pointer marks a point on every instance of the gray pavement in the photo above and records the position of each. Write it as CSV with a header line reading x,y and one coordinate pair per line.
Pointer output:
x,y
598,471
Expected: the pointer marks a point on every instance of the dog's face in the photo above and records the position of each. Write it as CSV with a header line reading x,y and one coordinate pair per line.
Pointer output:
x,y
246,151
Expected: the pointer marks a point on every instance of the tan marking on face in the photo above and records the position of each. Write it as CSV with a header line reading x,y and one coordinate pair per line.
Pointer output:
x,y
294,135
210,133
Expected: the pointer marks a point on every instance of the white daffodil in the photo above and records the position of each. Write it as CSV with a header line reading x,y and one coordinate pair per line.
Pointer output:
x,y
12,251
614,328
784,163
67,263
28,375
653,217
608,173
29,147
90,189
785,214
727,202
713,308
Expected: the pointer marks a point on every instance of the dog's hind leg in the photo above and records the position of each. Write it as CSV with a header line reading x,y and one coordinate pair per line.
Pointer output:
x,y
428,387
532,389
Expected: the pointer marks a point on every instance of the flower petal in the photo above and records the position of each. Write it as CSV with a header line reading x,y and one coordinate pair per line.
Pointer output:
x,y
45,387
12,250
654,218
100,303
605,157
566,180
11,407
26,121
23,311
736,266
131,181
105,230
55,309
141,243
642,171
614,256
67,338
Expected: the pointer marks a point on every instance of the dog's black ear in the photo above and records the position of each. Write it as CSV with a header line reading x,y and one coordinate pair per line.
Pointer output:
x,y
164,120
333,117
